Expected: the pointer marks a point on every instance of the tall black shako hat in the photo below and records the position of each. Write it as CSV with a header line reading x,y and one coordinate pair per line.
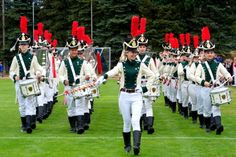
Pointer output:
x,y
84,40
142,40
166,43
131,43
23,38
206,43
72,42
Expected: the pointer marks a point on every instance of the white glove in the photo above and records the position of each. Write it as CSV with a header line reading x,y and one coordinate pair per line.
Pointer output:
x,y
138,89
100,80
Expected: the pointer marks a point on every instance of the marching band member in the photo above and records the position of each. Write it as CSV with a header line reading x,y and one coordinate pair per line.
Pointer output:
x,y
173,74
193,89
25,66
183,78
208,74
130,98
72,72
147,115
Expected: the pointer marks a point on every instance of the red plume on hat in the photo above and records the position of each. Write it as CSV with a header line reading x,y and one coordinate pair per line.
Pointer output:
x,y
187,37
143,23
171,35
40,28
205,34
54,43
36,35
87,39
75,25
167,35
80,32
174,43
47,36
195,41
182,39
134,26
23,24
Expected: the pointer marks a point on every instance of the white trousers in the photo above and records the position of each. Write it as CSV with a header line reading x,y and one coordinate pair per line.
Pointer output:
x,y
27,105
147,106
207,107
199,99
41,98
184,93
193,91
130,106
173,90
75,107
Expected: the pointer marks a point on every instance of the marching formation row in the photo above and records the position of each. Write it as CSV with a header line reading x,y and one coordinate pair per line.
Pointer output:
x,y
189,77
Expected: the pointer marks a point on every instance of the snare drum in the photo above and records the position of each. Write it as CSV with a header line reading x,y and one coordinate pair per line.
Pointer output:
x,y
29,87
154,91
220,96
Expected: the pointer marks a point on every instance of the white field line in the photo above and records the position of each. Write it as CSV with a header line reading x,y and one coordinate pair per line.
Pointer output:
x,y
113,138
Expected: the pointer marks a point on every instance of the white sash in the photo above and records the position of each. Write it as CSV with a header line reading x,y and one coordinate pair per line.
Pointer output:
x,y
73,70
210,72
23,65
144,59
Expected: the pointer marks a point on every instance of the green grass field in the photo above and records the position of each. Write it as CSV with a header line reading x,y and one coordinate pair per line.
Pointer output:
x,y
173,137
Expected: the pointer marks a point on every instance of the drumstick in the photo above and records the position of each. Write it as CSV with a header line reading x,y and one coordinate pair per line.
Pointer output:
x,y
226,81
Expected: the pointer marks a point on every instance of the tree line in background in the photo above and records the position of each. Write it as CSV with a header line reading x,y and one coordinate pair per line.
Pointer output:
x,y
111,20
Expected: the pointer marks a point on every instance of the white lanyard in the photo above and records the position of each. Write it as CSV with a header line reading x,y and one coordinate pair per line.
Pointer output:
x,y
23,64
72,69
210,72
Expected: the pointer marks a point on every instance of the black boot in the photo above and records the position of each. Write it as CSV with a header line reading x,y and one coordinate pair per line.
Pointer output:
x,y
126,137
92,106
137,141
80,124
207,121
86,121
33,122
141,123
150,128
45,115
173,107
72,124
194,117
180,108
145,123
28,122
23,124
213,123
166,101
201,121
190,109
40,114
185,111
219,126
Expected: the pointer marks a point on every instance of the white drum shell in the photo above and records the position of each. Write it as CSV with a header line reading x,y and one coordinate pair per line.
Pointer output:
x,y
29,87
220,96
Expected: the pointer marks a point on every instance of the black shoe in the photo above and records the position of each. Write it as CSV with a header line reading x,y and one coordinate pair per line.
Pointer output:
x,y
80,131
29,130
33,126
86,126
219,130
